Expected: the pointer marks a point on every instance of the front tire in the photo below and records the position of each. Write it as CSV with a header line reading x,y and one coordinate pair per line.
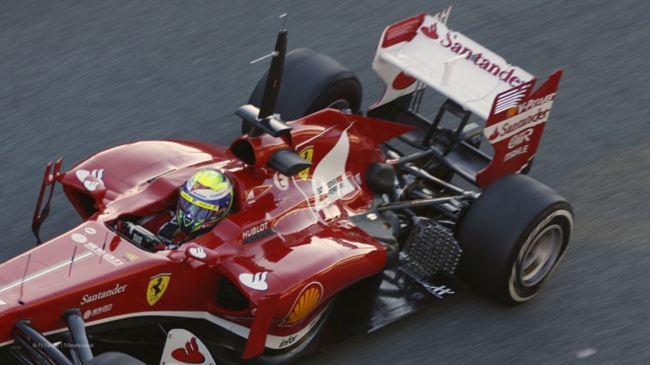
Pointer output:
x,y
513,238
302,347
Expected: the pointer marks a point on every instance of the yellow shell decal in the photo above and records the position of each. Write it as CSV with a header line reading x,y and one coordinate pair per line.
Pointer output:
x,y
305,303
307,154
130,257
157,287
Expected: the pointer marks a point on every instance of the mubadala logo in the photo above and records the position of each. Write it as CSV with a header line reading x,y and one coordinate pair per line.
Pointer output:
x,y
104,294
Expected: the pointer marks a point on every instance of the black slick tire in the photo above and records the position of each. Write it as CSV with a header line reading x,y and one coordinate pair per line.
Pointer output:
x,y
311,82
513,238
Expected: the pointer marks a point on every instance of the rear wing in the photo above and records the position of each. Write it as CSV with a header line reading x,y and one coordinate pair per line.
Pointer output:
x,y
422,51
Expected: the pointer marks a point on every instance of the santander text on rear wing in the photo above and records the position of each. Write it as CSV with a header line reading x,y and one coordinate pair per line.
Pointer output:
x,y
423,48
422,51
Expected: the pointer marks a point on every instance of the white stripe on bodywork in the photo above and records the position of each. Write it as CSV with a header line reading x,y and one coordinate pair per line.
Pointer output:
x,y
44,271
313,138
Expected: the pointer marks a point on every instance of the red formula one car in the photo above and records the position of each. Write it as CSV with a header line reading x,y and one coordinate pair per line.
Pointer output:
x,y
326,200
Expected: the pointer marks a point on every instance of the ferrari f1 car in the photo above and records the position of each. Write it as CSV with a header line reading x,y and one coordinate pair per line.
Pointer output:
x,y
327,199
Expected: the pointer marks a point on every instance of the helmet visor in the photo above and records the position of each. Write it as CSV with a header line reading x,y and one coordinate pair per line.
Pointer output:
x,y
191,217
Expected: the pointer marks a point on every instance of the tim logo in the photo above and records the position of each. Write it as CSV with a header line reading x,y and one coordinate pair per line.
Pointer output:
x,y
431,31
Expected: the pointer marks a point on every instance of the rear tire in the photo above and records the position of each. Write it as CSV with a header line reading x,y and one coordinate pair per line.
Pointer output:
x,y
513,238
311,82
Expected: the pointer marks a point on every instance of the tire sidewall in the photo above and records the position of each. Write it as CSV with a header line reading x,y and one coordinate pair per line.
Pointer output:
x,y
558,214
302,347
344,89
310,82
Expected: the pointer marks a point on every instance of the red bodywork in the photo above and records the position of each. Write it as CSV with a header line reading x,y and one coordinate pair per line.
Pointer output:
x,y
287,238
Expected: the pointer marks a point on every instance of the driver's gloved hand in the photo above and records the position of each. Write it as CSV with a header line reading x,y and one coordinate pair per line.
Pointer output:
x,y
139,235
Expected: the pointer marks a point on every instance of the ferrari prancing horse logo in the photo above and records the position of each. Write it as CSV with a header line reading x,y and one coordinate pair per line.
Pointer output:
x,y
157,287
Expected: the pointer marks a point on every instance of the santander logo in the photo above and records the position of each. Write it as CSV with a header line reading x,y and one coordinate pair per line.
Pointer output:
x,y
431,31
255,281
198,252
519,122
189,354
90,179
461,45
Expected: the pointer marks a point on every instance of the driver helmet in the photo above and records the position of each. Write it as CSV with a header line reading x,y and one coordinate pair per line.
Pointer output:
x,y
204,200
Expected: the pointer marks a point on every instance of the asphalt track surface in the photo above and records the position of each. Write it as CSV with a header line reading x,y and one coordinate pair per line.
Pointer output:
x,y
79,77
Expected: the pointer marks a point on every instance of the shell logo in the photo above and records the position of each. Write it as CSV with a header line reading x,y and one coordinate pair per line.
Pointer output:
x,y
305,303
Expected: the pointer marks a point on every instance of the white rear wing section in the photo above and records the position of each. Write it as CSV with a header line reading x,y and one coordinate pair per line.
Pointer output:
x,y
423,49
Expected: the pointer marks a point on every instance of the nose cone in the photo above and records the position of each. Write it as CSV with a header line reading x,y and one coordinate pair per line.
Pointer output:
x,y
74,270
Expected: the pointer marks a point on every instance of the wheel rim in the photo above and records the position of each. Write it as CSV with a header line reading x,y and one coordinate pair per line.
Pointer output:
x,y
340,104
541,255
